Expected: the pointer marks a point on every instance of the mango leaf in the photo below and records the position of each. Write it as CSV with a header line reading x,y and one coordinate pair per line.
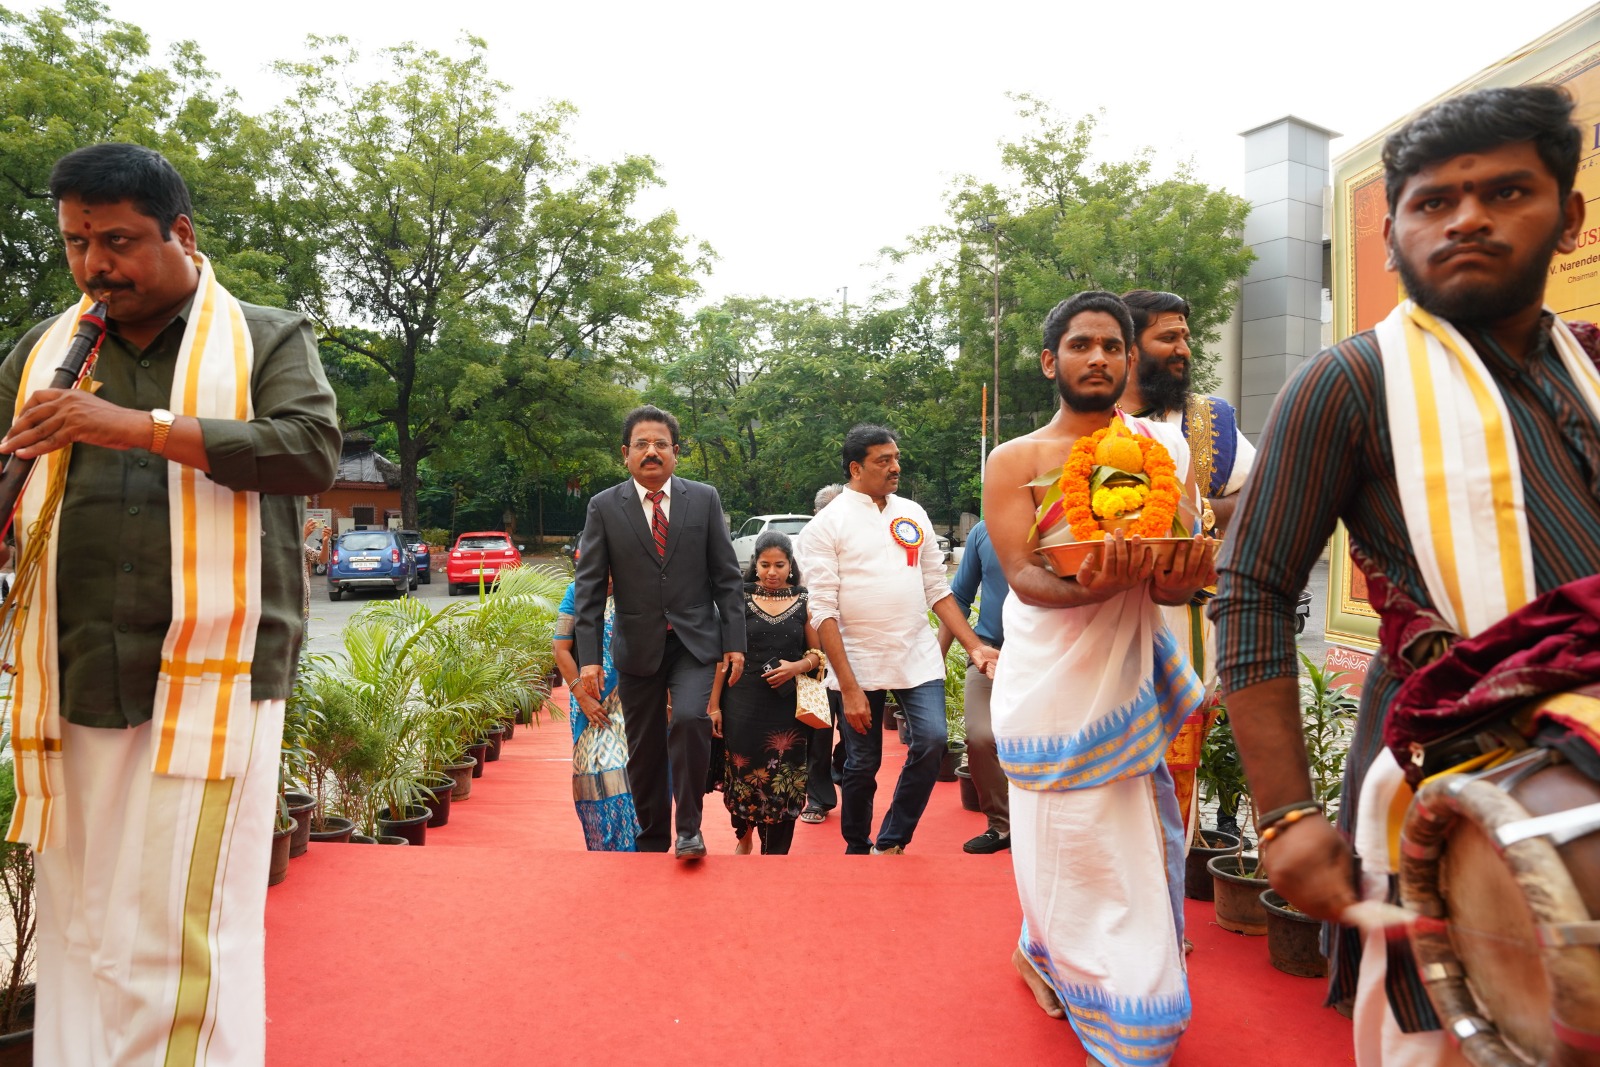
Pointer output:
x,y
1047,478
1102,475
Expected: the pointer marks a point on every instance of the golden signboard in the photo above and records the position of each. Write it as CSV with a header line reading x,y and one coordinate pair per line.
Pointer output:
x,y
1364,292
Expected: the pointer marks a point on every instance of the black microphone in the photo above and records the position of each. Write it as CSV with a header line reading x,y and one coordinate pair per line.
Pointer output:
x,y
91,328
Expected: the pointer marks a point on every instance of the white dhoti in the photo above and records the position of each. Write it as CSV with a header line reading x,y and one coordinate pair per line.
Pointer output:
x,y
1086,701
151,913
1379,1040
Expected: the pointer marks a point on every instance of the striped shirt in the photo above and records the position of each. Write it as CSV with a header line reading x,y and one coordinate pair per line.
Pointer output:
x,y
1326,455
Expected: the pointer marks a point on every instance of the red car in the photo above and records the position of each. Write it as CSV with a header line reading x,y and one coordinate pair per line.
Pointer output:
x,y
483,553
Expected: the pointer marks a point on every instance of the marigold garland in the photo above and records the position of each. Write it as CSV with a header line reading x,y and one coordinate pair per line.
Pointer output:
x,y
1160,500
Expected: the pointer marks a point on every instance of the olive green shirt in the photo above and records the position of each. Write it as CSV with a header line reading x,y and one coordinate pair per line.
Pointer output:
x,y
114,571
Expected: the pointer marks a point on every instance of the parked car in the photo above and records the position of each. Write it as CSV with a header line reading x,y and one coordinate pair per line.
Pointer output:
x,y
944,547
421,555
481,553
370,559
744,542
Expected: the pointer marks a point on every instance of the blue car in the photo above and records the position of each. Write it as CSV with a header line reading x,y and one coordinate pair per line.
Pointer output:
x,y
370,559
420,554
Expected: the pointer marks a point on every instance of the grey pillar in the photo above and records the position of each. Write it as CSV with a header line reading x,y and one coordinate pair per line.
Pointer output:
x,y
1286,169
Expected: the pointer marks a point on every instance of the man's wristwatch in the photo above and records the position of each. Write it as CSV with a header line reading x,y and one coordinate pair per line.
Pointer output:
x,y
161,424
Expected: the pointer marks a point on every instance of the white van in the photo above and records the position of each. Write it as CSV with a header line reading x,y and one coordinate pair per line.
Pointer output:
x,y
744,542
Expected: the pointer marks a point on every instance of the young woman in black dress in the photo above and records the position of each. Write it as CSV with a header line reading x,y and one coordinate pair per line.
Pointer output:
x,y
764,767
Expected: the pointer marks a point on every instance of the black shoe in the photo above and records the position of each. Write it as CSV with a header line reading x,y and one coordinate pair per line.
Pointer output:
x,y
987,842
691,847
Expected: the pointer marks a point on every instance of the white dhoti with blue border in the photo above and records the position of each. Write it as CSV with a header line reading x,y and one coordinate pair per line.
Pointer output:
x,y
1086,701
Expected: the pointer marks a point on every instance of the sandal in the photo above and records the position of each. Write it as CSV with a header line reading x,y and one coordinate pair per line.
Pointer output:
x,y
813,815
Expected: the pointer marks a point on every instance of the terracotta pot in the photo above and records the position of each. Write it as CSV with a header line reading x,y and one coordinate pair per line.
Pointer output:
x,y
300,808
413,826
337,831
1197,883
462,774
1238,896
280,856
1294,939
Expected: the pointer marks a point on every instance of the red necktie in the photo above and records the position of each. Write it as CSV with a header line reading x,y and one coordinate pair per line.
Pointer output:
x,y
658,524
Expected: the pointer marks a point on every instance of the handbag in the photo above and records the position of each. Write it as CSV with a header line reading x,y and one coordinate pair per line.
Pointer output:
x,y
811,703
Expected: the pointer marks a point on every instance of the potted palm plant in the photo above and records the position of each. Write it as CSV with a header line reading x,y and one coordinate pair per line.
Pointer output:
x,y
293,764
385,657
517,622
337,743
955,712
1221,779
1327,715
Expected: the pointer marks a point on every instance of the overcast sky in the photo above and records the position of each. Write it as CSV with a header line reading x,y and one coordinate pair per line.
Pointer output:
x,y
798,139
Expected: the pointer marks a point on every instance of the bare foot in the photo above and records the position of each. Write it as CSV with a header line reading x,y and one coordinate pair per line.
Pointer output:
x,y
1040,988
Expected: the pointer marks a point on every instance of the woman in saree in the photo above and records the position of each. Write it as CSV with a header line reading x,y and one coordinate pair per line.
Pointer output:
x,y
599,745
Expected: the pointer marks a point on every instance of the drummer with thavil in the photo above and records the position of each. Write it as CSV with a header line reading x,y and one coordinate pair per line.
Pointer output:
x,y
1459,442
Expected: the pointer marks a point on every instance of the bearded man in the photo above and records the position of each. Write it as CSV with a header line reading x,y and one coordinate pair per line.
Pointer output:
x,y
1089,692
1458,442
1159,389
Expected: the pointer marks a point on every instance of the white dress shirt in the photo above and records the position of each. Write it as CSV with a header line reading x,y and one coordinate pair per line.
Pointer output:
x,y
650,508
857,574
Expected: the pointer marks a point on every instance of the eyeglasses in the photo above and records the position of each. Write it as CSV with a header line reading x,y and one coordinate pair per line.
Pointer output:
x,y
645,446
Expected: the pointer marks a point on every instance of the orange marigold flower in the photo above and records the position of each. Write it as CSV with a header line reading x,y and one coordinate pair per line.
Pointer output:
x,y
1160,507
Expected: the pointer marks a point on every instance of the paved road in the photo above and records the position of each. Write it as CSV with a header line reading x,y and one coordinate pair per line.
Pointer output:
x,y
328,618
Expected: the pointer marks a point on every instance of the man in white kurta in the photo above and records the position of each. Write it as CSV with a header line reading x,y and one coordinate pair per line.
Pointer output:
x,y
1090,690
874,571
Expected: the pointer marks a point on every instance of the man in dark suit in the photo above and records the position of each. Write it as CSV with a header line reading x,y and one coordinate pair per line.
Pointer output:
x,y
679,619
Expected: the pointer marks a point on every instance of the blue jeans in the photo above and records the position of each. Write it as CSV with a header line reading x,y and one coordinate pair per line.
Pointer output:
x,y
923,706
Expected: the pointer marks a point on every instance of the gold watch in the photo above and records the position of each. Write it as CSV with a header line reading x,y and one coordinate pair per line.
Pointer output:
x,y
161,420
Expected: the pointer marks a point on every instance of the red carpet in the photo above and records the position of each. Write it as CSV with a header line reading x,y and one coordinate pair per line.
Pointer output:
x,y
502,942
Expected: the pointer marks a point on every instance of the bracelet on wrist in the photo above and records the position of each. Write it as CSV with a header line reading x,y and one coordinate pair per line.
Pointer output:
x,y
1278,820
1267,818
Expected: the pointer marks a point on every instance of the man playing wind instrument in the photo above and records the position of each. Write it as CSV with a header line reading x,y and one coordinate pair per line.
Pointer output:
x,y
1459,442
1091,689
159,583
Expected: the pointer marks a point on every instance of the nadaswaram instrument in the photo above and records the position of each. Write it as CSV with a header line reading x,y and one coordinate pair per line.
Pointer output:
x,y
74,370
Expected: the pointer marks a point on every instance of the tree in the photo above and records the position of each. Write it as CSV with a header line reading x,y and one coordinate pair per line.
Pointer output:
x,y
765,389
74,77
477,269
1070,223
